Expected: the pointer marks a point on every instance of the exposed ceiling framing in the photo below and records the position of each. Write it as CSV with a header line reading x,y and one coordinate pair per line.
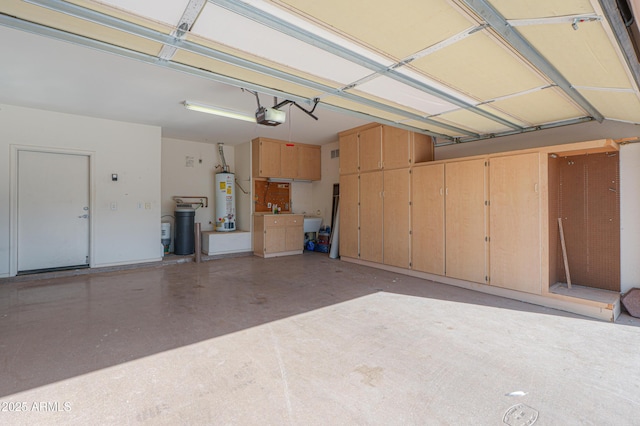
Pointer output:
x,y
459,70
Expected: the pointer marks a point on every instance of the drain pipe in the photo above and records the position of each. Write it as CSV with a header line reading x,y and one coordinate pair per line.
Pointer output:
x,y
198,254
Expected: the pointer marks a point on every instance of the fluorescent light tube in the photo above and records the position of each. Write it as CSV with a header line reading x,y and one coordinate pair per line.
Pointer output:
x,y
194,106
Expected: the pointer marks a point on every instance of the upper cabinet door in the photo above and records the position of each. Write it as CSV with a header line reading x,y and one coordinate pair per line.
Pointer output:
x,y
268,158
465,198
371,149
288,160
309,162
395,148
514,222
349,153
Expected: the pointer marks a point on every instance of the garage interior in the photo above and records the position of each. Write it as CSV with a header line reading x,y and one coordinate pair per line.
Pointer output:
x,y
485,228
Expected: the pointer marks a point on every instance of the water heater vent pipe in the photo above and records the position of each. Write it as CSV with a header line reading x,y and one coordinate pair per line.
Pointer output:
x,y
225,167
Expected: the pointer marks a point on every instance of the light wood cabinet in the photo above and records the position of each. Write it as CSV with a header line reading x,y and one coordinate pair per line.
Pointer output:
x,y
396,151
349,153
380,156
396,214
427,219
514,222
371,216
288,160
266,157
278,235
294,233
465,228
349,224
370,149
273,158
309,162
422,147
377,147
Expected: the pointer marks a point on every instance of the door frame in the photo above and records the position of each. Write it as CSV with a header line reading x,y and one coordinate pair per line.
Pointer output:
x,y
13,198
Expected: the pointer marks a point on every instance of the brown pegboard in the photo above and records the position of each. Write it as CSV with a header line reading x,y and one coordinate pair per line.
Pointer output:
x,y
272,192
589,205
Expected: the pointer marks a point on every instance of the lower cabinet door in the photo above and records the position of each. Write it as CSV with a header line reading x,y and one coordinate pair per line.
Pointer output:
x,y
275,239
349,223
294,238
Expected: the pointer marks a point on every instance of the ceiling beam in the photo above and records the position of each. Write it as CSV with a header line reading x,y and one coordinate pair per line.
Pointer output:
x,y
285,27
612,14
517,132
521,45
22,25
150,34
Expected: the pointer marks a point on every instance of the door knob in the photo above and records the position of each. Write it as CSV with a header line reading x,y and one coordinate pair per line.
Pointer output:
x,y
84,216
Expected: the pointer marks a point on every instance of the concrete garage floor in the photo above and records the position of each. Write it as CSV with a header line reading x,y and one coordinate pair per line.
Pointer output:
x,y
302,340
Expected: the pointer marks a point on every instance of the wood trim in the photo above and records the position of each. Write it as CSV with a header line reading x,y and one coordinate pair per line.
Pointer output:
x,y
588,308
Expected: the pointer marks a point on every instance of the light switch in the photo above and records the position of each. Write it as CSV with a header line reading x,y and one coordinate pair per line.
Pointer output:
x,y
147,206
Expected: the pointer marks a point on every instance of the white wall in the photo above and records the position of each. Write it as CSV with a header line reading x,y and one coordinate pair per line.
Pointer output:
x,y
129,234
244,202
302,198
188,169
629,216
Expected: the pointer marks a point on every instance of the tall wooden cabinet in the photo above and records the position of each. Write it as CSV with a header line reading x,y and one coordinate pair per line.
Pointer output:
x,y
489,219
371,216
465,228
514,221
397,218
427,218
349,217
376,160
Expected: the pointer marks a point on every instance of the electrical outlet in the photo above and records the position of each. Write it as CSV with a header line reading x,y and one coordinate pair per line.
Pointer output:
x,y
147,206
114,205
268,205
139,205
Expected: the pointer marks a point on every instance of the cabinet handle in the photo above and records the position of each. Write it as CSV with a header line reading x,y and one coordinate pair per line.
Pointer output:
x,y
446,192
441,191
535,187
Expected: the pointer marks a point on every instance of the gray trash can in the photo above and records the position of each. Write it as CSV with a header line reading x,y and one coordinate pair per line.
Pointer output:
x,y
184,239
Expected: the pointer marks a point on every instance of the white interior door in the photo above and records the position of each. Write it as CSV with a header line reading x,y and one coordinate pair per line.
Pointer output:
x,y
53,210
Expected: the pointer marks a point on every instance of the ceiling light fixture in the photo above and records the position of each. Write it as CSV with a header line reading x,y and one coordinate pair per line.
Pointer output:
x,y
194,106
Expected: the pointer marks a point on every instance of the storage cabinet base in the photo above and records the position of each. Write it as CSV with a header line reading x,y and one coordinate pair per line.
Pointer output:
x,y
281,253
607,311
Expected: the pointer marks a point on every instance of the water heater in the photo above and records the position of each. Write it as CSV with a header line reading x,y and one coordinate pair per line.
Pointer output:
x,y
225,202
